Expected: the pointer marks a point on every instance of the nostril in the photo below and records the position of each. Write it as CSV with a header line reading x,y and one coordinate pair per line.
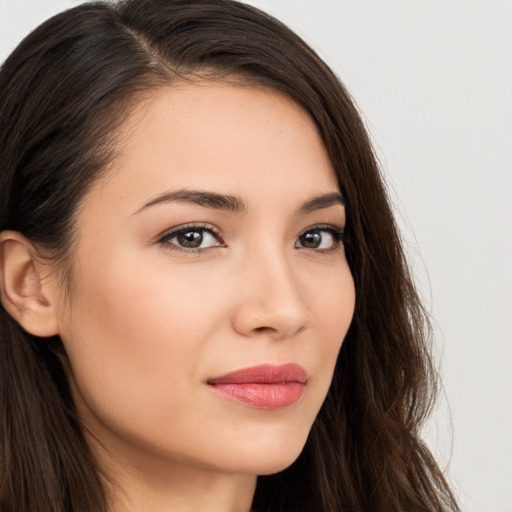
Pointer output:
x,y
264,329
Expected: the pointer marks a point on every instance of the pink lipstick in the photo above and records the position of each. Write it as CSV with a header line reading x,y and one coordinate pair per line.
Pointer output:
x,y
265,386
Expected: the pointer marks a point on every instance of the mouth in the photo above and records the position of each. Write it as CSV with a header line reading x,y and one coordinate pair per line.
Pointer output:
x,y
264,386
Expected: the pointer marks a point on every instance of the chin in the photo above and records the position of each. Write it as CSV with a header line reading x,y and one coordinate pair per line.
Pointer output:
x,y
276,466
266,458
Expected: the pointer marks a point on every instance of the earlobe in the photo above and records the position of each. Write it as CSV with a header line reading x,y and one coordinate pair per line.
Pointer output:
x,y
26,295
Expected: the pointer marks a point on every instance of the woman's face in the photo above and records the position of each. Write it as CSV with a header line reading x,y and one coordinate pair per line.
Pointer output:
x,y
212,246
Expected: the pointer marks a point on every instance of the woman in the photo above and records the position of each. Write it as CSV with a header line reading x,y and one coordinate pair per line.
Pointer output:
x,y
205,301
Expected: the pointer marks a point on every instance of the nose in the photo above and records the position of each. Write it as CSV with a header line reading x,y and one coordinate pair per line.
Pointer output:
x,y
271,300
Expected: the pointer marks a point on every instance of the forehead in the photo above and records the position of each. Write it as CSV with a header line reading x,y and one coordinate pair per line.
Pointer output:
x,y
232,139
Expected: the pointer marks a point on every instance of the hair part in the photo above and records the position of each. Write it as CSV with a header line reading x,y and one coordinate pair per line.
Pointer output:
x,y
65,94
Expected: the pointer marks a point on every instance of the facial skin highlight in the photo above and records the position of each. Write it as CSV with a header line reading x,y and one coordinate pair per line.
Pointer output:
x,y
213,244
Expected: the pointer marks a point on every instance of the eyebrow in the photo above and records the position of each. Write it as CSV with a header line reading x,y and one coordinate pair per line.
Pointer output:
x,y
322,201
236,204
207,199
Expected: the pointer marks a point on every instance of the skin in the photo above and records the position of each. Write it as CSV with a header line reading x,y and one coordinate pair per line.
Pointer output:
x,y
149,322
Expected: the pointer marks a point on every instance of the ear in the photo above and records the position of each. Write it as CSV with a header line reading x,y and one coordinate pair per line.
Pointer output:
x,y
25,288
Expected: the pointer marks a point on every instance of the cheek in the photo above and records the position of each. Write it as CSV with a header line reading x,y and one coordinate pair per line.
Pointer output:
x,y
134,336
332,308
331,295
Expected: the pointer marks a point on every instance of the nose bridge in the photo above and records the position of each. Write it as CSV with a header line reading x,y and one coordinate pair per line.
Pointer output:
x,y
273,300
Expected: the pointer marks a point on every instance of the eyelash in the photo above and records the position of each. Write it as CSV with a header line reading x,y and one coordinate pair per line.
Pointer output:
x,y
336,232
190,228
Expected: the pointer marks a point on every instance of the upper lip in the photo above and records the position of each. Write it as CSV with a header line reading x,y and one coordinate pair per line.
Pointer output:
x,y
264,374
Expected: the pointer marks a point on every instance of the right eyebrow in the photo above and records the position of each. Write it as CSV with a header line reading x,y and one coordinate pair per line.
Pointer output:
x,y
202,198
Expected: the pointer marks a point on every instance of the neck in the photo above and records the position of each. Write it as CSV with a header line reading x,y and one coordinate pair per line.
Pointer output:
x,y
182,490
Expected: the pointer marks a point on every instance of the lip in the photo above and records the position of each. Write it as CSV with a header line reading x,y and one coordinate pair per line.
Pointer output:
x,y
265,386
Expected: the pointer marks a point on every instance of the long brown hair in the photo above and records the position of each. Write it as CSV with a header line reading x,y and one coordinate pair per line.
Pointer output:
x,y
63,94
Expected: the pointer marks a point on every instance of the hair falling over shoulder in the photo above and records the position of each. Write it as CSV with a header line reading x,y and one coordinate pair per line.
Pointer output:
x,y
63,92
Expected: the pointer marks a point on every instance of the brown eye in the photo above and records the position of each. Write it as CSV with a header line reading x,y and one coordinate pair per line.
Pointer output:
x,y
320,238
311,239
190,239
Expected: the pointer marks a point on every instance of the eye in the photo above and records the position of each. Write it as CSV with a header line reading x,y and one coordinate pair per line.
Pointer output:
x,y
192,238
321,238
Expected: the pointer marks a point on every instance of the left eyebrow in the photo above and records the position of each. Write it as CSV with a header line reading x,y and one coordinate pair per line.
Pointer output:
x,y
322,201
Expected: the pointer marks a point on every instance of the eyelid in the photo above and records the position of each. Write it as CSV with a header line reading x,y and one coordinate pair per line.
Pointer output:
x,y
338,231
325,227
168,234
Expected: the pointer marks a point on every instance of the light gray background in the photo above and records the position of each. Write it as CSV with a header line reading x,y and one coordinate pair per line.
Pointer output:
x,y
433,79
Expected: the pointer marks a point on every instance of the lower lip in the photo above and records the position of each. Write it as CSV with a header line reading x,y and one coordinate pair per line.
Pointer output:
x,y
261,395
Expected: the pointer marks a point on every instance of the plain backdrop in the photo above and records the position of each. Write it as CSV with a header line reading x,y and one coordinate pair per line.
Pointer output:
x,y
433,79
